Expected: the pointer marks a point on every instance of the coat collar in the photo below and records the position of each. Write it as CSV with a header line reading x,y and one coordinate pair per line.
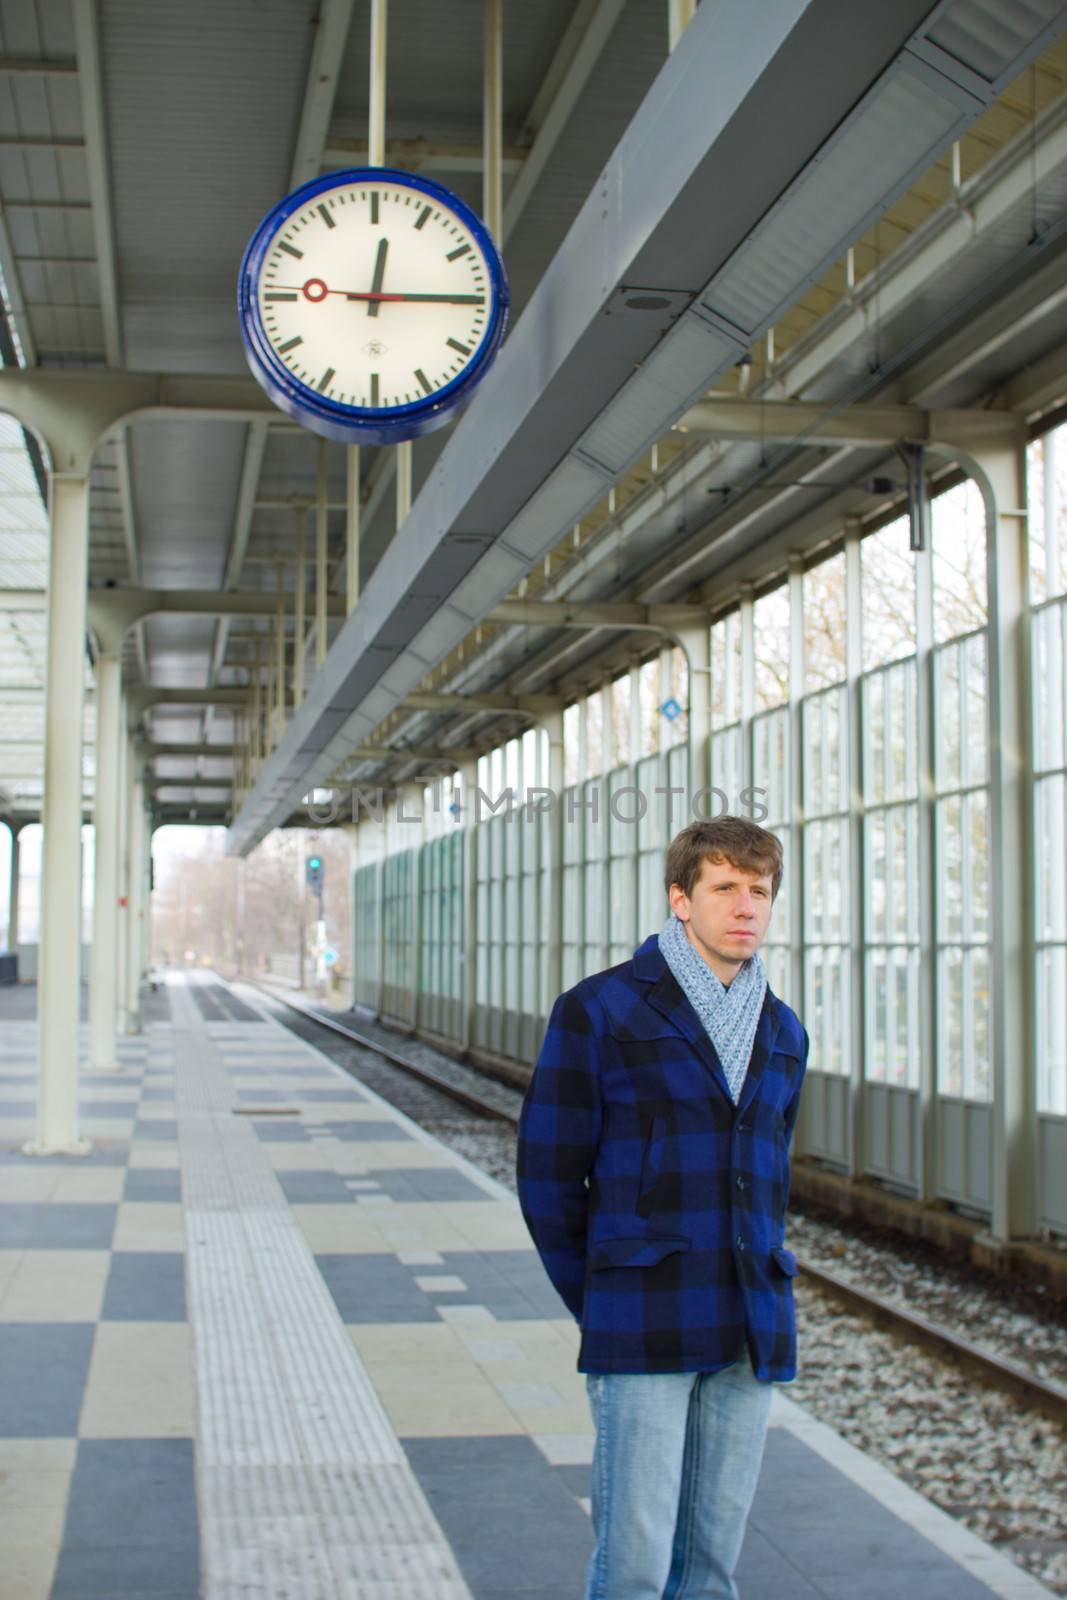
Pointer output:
x,y
666,995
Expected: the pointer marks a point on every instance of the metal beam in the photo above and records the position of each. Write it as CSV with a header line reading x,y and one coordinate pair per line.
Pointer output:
x,y
157,783
208,751
533,705
327,59
577,54
142,700
90,80
794,421
120,609
419,155
34,66
579,614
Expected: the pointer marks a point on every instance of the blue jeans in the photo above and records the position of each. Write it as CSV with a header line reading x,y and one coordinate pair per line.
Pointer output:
x,y
674,1472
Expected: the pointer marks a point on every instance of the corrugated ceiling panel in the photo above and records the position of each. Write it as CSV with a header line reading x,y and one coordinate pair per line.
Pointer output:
x,y
203,104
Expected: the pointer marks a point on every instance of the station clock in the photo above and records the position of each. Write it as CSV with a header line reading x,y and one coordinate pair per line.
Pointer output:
x,y
372,303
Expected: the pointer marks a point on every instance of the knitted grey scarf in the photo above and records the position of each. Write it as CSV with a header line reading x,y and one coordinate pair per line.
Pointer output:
x,y
729,1013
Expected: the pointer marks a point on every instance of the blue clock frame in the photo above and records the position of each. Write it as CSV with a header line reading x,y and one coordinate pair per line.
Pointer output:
x,y
365,424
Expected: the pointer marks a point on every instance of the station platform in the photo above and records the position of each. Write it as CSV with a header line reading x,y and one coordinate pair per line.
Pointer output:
x,y
270,1338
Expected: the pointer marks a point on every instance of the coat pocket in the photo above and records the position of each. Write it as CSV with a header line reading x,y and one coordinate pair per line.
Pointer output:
x,y
644,1252
785,1259
651,1163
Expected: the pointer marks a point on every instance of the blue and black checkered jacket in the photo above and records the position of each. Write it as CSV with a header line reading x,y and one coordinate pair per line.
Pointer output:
x,y
656,1205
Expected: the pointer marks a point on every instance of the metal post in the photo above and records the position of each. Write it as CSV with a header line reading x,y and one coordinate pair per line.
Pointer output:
x,y
13,895
279,669
403,482
796,804
493,121
995,456
926,1163
553,920
299,628
856,932
122,932
301,900
103,994
320,560
59,969
696,642
135,909
379,20
679,16
352,531
748,691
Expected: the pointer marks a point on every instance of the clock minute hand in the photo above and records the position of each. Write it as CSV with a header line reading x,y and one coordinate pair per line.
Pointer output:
x,y
441,299
376,283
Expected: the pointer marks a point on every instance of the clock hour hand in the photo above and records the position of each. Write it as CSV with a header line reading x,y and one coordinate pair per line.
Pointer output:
x,y
379,274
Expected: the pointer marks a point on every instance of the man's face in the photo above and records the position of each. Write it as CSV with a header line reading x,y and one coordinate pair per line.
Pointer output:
x,y
726,915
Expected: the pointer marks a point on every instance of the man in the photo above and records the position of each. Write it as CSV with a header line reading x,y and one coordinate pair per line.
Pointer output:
x,y
653,1174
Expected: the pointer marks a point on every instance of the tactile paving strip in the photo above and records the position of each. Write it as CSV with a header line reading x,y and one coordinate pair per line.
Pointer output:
x,y
305,1488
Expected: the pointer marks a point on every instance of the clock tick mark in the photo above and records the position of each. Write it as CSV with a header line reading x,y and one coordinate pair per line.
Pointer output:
x,y
325,215
290,344
454,255
282,294
291,250
424,380
325,379
420,220
454,344
374,388
374,205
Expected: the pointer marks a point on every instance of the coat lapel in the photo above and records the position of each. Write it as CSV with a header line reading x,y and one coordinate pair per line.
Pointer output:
x,y
668,998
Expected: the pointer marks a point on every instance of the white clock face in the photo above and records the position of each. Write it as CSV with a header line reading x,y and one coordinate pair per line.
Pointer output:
x,y
375,294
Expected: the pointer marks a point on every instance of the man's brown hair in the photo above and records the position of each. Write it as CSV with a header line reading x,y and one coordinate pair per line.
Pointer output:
x,y
742,843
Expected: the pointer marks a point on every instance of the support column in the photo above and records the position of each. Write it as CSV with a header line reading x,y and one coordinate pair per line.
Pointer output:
x,y
135,879
492,120
352,531
59,977
103,991
122,940
795,865
746,762
696,643
146,880
995,455
320,561
553,920
13,895
468,774
856,929
926,1164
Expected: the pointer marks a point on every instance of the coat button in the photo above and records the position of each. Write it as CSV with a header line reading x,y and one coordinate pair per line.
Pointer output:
x,y
742,1127
740,1242
740,1183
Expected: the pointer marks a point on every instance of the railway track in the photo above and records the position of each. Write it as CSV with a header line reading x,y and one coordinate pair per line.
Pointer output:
x,y
1049,1398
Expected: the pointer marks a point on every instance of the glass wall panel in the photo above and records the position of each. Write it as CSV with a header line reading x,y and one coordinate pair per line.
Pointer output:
x,y
961,828
826,879
891,874
1049,675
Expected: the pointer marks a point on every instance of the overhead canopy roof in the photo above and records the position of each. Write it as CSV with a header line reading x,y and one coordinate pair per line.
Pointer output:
x,y
140,145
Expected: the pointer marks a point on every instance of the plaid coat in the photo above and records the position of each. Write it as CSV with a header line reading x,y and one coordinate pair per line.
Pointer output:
x,y
657,1207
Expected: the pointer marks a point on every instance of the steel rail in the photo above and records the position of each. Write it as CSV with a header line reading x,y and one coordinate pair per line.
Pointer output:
x,y
1044,1394
424,1074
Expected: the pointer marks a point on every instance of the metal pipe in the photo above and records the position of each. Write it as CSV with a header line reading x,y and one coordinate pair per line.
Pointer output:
x,y
320,561
279,646
403,482
299,621
379,20
352,530
493,120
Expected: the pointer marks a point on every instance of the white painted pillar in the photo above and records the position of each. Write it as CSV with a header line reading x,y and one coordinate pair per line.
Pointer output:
x,y
103,995
135,848
13,895
146,881
553,922
122,940
468,773
927,1159
994,452
696,643
855,913
59,961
